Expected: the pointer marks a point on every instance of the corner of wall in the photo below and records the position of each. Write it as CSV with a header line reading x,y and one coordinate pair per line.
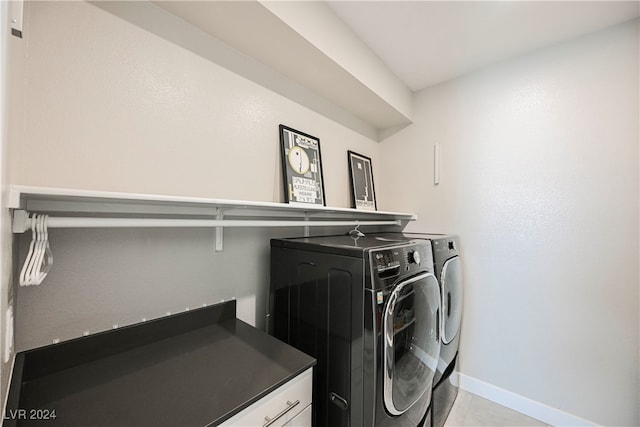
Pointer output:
x,y
4,29
318,23
12,62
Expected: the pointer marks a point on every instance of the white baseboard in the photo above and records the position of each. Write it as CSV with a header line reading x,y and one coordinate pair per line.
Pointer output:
x,y
524,405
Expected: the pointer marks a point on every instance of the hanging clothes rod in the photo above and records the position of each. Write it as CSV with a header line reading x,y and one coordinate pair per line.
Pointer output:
x,y
21,222
71,222
39,258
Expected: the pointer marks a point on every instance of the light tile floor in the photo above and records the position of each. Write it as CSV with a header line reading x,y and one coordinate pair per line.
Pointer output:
x,y
472,410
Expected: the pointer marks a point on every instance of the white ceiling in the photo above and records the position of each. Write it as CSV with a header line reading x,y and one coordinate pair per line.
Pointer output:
x,y
427,42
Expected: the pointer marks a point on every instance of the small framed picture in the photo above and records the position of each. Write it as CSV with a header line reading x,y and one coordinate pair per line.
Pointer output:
x,y
363,195
301,167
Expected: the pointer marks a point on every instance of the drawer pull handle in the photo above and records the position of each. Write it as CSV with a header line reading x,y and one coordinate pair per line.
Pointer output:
x,y
290,406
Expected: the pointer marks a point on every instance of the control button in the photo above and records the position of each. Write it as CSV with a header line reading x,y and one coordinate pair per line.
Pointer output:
x,y
414,256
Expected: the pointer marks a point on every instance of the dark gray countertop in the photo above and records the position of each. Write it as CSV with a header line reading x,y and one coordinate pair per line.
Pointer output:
x,y
197,377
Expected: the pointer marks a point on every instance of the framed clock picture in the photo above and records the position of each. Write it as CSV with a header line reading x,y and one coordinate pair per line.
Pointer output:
x,y
301,167
363,195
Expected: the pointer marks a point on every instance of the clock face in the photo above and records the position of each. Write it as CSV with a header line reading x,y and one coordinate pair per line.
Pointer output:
x,y
299,160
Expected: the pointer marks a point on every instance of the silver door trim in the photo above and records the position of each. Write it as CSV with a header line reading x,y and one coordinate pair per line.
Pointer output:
x,y
443,294
388,347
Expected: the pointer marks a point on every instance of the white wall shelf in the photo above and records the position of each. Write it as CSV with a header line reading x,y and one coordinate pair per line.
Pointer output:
x,y
102,209
103,202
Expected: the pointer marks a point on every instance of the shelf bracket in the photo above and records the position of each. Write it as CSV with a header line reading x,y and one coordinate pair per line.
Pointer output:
x,y
20,219
219,231
306,227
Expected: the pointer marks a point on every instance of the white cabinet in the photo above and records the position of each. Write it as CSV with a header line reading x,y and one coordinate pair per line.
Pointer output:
x,y
303,419
288,405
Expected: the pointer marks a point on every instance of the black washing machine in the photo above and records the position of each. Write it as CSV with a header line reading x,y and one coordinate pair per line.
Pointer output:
x,y
368,309
448,270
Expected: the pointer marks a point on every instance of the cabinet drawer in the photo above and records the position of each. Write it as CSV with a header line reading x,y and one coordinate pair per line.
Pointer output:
x,y
303,419
284,403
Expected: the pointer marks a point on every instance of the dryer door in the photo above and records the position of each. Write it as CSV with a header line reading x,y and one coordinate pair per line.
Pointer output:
x,y
451,299
411,341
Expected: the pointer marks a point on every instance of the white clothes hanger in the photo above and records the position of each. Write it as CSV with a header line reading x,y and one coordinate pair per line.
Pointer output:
x,y
45,260
24,280
355,233
39,258
36,251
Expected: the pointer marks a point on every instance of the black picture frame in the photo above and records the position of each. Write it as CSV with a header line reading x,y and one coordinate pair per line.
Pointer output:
x,y
302,174
363,194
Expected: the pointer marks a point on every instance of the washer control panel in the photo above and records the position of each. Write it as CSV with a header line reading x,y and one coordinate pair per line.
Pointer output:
x,y
391,262
386,260
413,257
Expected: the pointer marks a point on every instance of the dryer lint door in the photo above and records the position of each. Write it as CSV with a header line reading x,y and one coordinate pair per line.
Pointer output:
x,y
451,298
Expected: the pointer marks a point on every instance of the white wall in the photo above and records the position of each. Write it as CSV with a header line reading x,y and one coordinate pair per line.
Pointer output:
x,y
8,47
540,180
4,29
111,106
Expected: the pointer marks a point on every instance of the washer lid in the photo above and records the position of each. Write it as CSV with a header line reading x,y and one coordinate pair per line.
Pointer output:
x,y
342,244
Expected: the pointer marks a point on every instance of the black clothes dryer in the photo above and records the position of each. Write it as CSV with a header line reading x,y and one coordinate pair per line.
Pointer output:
x,y
368,310
448,270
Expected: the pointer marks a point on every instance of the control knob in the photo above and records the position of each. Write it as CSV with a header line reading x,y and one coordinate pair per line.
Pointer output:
x,y
414,257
